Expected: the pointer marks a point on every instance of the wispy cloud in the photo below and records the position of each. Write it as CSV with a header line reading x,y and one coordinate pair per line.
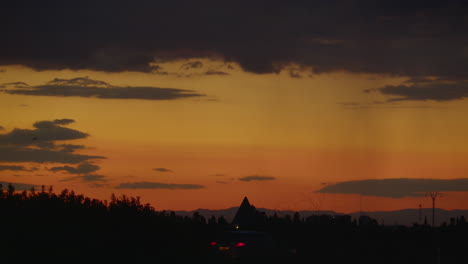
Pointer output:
x,y
380,105
257,178
397,188
87,178
158,185
80,169
422,88
162,170
89,88
16,168
192,65
23,154
19,186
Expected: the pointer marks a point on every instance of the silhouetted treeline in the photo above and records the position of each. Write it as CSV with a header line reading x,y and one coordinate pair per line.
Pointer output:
x,y
66,224
70,224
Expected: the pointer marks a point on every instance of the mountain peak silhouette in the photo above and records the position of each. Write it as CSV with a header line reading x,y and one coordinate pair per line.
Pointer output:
x,y
245,215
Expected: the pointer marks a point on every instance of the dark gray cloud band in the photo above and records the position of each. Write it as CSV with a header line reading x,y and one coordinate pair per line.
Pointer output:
x,y
424,90
16,168
397,188
374,36
87,178
84,168
158,185
162,170
23,154
257,178
88,88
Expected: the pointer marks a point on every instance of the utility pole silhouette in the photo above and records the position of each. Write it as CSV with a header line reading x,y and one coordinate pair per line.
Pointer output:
x,y
433,196
420,213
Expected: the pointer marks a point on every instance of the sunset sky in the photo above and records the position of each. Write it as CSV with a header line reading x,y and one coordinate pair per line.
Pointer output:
x,y
298,105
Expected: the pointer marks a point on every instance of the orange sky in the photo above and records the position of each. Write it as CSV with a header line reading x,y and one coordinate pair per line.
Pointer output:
x,y
295,130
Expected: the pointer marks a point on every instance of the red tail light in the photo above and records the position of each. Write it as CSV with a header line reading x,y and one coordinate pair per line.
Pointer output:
x,y
240,244
213,243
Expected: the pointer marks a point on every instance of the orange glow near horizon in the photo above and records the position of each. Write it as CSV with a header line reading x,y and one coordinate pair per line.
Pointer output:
x,y
248,125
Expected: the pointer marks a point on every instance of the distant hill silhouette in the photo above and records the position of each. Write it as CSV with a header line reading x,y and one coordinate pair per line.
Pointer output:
x,y
406,217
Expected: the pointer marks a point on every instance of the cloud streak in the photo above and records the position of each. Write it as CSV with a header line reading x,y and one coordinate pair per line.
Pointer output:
x,y
424,90
397,188
158,185
87,178
18,186
16,168
88,88
257,178
80,169
162,170
22,154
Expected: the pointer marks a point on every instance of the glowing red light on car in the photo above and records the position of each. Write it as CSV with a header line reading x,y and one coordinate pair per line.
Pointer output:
x,y
240,244
213,243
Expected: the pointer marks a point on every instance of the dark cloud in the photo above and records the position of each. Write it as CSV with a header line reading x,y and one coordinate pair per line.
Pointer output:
x,y
157,185
79,81
295,74
64,121
97,185
257,178
423,89
192,65
397,188
70,147
162,170
222,182
159,70
18,186
87,178
14,85
93,178
39,144
45,132
88,88
380,105
215,72
219,175
23,154
417,38
84,168
16,168
419,80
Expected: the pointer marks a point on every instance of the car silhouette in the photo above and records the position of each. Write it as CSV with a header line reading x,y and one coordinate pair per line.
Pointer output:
x,y
243,244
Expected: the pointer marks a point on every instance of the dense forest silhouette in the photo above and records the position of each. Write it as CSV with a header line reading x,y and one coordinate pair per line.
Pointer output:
x,y
44,224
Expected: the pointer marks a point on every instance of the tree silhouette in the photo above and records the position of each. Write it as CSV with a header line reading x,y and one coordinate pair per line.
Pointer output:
x,y
70,224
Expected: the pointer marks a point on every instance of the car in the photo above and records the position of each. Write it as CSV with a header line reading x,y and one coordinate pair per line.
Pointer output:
x,y
243,244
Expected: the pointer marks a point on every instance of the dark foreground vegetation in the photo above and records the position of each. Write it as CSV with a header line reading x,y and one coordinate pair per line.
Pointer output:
x,y
43,225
